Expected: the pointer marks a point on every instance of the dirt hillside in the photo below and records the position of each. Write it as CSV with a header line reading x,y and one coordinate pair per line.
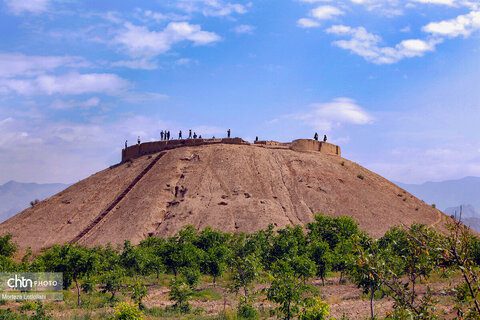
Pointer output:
x,y
228,187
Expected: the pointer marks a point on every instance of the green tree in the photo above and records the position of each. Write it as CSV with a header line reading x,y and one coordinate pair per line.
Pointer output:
x,y
133,259
180,293
154,249
303,267
332,229
139,291
244,272
75,262
286,289
289,242
112,281
7,247
216,252
365,270
321,255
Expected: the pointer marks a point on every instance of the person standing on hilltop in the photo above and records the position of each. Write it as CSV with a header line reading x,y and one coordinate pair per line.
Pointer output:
x,y
190,134
315,137
126,144
194,135
180,135
256,139
161,135
138,140
228,133
325,138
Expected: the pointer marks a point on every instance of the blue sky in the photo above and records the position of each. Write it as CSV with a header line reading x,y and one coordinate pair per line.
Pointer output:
x,y
395,83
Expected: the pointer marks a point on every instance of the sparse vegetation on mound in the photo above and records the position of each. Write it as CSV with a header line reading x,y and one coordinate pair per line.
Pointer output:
x,y
291,273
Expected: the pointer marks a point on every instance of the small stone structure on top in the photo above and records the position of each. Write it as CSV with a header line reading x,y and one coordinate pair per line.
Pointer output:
x,y
300,145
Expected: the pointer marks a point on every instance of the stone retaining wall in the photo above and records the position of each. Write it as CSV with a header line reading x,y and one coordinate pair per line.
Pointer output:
x,y
304,145
145,148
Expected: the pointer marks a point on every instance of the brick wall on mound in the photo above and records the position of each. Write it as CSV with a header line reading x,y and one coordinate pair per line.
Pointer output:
x,y
272,143
304,145
145,148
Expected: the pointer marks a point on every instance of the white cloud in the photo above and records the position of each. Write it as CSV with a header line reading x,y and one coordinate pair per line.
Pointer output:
x,y
244,29
140,64
185,62
213,8
307,23
437,2
463,25
139,41
326,12
320,13
140,97
17,64
367,45
27,6
70,104
326,116
68,84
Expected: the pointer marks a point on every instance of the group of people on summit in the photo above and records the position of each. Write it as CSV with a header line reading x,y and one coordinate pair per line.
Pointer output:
x,y
165,136
315,137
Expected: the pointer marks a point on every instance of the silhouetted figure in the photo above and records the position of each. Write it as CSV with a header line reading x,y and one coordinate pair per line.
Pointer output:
x,y
315,137
325,138
256,139
126,144
138,140
194,135
168,135
228,133
200,137
161,135
190,134
180,135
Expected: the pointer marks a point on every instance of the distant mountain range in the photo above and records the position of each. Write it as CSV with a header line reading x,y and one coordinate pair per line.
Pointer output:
x,y
16,196
450,195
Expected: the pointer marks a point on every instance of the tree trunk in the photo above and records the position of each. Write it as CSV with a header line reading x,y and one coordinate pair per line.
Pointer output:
x,y
288,311
78,292
372,297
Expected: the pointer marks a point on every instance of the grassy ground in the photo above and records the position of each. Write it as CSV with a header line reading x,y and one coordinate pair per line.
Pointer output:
x,y
217,302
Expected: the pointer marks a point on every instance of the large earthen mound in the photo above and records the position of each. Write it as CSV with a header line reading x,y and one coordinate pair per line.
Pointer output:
x,y
233,188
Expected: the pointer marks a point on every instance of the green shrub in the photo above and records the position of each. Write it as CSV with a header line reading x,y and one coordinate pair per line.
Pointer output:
x,y
127,311
246,311
180,293
315,309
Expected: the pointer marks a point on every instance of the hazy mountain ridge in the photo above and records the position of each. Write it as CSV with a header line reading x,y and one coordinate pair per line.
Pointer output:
x,y
16,196
450,195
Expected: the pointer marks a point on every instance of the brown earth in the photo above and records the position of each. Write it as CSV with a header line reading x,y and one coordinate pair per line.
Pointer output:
x,y
229,187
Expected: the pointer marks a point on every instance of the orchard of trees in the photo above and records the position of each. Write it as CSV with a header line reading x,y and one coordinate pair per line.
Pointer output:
x,y
281,266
